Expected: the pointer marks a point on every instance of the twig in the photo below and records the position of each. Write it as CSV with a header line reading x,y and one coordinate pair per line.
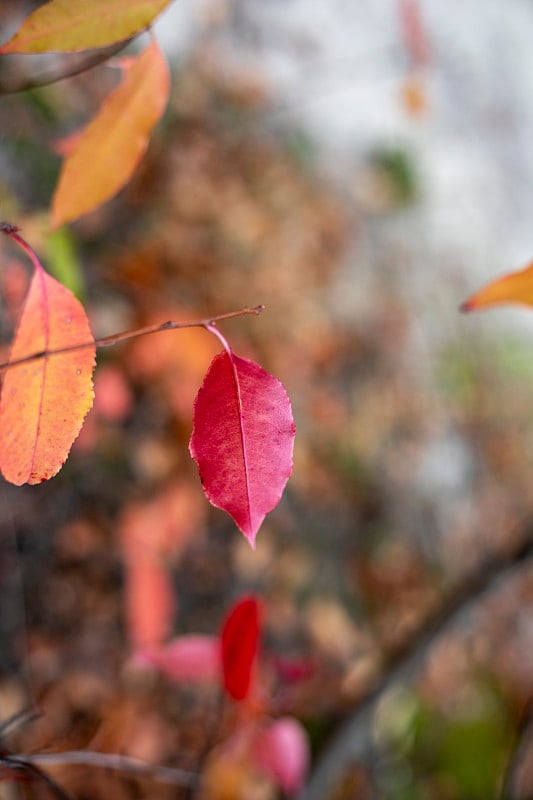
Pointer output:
x,y
90,758
351,742
94,59
23,765
123,336
17,719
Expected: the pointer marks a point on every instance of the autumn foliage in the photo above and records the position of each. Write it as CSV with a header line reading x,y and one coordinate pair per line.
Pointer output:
x,y
174,639
243,429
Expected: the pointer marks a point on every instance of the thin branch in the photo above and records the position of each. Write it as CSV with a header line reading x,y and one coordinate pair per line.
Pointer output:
x,y
352,741
24,765
17,719
116,338
90,758
94,59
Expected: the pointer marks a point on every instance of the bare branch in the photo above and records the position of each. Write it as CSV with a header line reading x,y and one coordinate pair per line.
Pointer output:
x,y
90,758
116,338
93,59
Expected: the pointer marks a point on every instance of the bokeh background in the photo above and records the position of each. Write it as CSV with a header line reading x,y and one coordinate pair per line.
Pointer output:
x,y
359,168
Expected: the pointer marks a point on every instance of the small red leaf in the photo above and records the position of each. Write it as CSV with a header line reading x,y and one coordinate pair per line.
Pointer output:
x,y
281,750
242,440
240,641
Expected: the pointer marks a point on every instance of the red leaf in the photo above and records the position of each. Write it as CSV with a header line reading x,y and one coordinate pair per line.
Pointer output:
x,y
281,750
242,440
239,642
44,402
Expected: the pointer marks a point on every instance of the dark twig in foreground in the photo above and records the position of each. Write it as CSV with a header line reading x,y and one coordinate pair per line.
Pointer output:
x,y
133,766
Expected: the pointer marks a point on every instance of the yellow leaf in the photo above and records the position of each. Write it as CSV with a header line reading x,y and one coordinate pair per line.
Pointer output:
x,y
67,26
515,287
109,149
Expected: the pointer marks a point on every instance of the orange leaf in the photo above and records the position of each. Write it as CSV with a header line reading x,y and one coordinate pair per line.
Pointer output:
x,y
109,149
44,402
516,287
63,26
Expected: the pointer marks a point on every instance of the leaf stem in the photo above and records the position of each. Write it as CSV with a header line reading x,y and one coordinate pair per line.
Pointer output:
x,y
209,323
123,336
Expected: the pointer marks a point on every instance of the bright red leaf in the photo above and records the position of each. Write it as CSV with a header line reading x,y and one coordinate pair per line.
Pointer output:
x,y
242,439
515,287
239,643
44,402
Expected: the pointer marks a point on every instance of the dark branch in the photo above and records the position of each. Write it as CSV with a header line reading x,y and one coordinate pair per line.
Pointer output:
x,y
93,59
133,766
116,338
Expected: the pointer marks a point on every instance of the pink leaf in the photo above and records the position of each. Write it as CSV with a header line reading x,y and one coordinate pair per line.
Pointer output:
x,y
281,750
149,601
239,642
242,440
193,658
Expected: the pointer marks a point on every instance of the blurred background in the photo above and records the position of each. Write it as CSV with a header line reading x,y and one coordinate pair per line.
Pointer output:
x,y
360,168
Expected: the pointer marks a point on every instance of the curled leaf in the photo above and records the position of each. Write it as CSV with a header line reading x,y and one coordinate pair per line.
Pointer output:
x,y
63,26
44,401
515,287
102,158
242,439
